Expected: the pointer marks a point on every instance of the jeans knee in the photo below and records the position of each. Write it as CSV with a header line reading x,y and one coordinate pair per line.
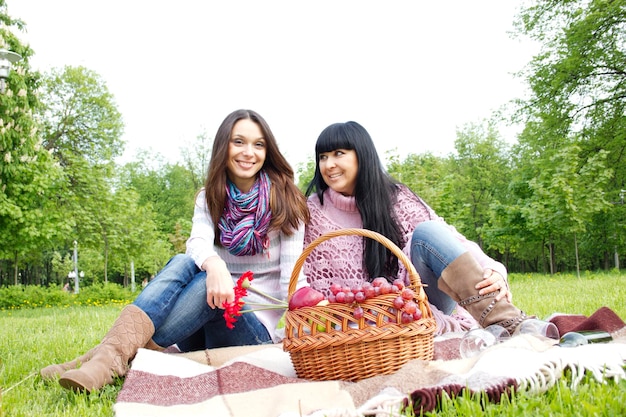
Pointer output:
x,y
425,230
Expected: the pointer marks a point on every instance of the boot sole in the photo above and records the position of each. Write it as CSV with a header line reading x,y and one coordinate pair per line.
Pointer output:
x,y
73,385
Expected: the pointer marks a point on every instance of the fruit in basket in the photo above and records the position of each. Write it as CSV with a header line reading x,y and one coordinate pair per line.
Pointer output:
x,y
410,307
377,282
335,288
398,282
305,297
398,302
408,294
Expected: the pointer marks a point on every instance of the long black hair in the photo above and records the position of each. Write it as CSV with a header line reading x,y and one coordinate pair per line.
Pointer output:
x,y
375,193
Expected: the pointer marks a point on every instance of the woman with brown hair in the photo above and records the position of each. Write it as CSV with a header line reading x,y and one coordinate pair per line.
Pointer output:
x,y
249,216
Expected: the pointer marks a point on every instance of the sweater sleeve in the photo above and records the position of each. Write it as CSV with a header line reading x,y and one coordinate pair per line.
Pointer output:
x,y
200,243
290,249
412,210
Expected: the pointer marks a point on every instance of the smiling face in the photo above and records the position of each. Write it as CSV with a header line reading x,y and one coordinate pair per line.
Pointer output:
x,y
339,169
246,154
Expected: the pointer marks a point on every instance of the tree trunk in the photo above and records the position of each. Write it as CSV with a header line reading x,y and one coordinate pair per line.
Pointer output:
x,y
15,268
577,261
551,247
106,259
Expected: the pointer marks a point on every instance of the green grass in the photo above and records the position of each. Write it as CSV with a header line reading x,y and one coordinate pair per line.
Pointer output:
x,y
31,338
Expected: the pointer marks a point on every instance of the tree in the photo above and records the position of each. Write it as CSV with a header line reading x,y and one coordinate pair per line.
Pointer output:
x,y
422,173
566,193
28,175
305,173
479,174
82,129
196,158
578,90
80,117
169,189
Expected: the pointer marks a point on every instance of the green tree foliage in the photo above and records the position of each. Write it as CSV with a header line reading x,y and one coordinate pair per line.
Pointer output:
x,y
196,158
577,99
541,204
80,117
422,173
305,173
478,174
28,174
168,189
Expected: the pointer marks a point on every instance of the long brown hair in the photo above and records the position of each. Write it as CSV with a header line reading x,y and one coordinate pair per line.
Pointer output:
x,y
287,202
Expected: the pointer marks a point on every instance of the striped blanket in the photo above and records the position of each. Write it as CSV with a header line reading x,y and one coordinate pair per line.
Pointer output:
x,y
260,380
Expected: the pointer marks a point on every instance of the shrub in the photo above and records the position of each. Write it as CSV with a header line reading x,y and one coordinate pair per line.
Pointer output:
x,y
32,296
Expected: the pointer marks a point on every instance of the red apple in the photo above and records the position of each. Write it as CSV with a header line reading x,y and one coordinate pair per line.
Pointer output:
x,y
305,297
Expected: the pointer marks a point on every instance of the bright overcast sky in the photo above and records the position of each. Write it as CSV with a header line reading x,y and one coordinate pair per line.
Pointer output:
x,y
412,72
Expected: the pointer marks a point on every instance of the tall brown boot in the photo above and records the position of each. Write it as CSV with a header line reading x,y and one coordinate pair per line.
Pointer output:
x,y
459,279
56,370
132,330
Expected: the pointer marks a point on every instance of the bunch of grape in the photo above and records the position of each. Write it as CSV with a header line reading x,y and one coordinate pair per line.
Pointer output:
x,y
404,302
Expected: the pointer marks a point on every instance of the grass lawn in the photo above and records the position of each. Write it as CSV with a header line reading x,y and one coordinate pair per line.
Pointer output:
x,y
33,338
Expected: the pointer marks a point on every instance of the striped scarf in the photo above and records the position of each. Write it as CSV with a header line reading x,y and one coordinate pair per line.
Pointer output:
x,y
246,218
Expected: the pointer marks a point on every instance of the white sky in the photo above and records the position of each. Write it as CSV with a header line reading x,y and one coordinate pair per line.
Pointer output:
x,y
410,71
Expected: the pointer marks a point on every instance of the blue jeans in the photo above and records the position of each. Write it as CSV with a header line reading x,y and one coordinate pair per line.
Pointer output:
x,y
433,248
175,301
214,334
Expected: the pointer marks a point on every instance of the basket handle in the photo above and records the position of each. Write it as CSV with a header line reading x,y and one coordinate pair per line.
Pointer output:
x,y
413,275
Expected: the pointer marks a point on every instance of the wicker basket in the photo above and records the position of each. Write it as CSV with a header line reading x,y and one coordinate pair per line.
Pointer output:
x,y
328,342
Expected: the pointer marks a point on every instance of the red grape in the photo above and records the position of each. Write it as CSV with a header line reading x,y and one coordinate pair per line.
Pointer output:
x,y
408,294
406,318
398,302
410,306
340,297
377,282
358,312
335,288
359,297
399,282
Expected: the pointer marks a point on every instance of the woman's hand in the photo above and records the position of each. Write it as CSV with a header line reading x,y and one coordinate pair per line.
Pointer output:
x,y
219,283
494,281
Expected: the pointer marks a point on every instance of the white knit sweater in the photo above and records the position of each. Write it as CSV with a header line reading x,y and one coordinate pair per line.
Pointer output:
x,y
272,269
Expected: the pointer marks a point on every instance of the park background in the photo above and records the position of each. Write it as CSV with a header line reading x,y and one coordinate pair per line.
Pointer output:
x,y
548,202
551,200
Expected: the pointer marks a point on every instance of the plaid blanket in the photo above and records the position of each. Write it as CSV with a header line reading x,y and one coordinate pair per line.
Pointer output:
x,y
261,381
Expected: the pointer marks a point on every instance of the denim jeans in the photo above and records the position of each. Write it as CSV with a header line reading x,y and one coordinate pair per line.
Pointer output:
x,y
248,331
175,301
433,248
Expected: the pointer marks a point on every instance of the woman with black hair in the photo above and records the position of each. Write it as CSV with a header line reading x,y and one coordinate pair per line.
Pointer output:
x,y
351,189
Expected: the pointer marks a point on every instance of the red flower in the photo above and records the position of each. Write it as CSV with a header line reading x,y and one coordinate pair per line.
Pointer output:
x,y
232,310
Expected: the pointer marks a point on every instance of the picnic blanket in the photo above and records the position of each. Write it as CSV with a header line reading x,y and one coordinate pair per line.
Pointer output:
x,y
261,381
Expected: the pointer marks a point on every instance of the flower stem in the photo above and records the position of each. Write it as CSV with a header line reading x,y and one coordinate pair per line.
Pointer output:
x,y
281,302
261,308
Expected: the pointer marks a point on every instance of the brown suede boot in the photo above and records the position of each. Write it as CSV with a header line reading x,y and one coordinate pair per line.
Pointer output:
x,y
56,370
459,279
132,330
